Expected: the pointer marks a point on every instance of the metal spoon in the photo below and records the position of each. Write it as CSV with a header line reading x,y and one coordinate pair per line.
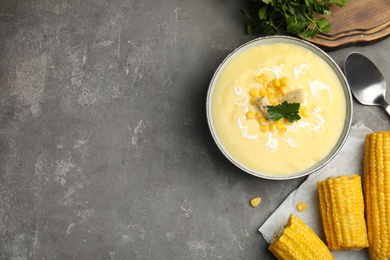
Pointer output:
x,y
366,81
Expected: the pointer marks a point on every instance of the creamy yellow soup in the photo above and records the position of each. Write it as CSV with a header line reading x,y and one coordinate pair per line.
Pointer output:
x,y
307,140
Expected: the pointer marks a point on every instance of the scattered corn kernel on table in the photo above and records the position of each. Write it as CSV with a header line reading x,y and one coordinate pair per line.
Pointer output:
x,y
104,144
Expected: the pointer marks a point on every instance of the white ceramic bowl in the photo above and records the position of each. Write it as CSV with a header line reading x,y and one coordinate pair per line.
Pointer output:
x,y
322,55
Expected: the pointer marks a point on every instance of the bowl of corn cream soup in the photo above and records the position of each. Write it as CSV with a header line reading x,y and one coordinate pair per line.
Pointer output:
x,y
279,107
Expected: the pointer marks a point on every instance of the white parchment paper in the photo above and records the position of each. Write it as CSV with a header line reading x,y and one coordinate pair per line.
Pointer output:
x,y
348,161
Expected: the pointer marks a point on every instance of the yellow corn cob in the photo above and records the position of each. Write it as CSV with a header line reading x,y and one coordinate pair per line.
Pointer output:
x,y
298,241
342,212
377,193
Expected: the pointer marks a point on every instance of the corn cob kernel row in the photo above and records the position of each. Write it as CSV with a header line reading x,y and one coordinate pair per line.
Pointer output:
x,y
342,212
377,193
298,241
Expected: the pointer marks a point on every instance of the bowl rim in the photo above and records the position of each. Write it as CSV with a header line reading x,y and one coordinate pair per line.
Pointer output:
x,y
323,55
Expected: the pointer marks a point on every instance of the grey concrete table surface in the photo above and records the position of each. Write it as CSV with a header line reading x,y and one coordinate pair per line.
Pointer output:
x,y
105,151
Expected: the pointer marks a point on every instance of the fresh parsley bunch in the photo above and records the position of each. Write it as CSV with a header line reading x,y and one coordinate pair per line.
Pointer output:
x,y
297,16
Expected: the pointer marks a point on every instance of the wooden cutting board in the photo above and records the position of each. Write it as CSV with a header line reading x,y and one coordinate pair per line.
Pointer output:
x,y
359,22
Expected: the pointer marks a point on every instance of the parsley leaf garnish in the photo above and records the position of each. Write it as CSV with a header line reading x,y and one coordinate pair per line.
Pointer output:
x,y
289,111
297,16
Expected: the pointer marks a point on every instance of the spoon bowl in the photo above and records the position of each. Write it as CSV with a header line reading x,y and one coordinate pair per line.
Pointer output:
x,y
366,81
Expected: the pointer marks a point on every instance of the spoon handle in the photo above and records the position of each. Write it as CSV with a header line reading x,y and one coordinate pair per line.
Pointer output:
x,y
386,106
